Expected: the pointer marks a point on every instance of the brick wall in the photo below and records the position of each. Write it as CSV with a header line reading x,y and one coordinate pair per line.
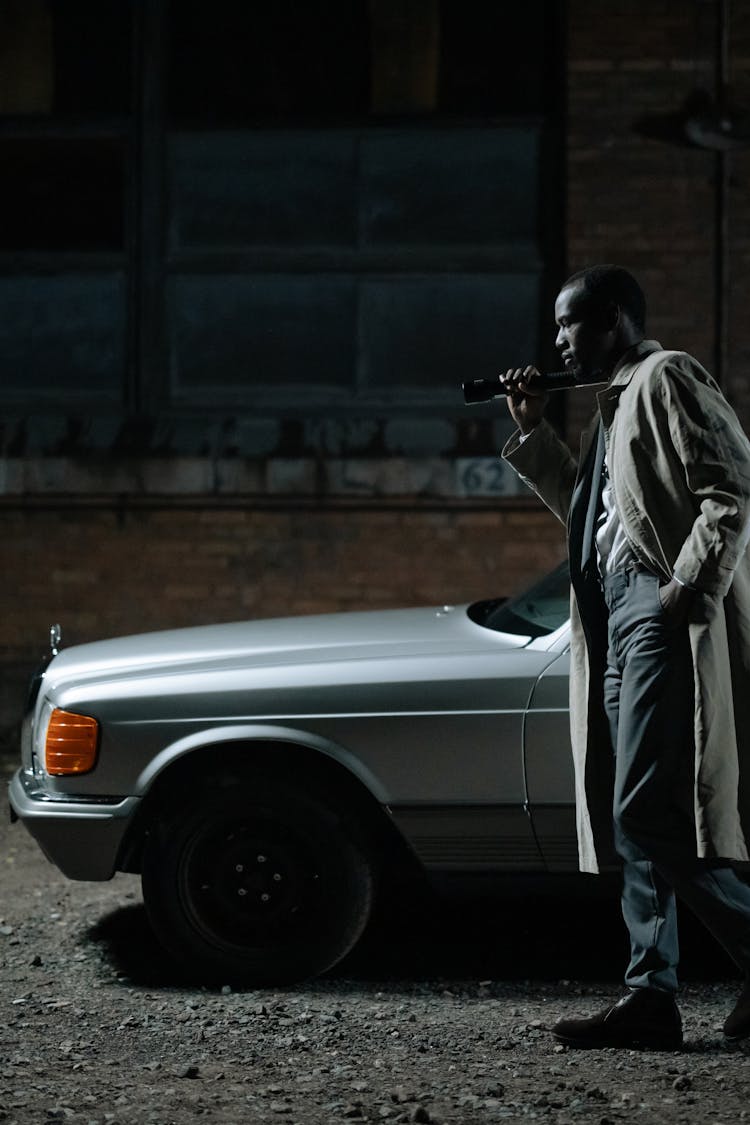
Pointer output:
x,y
100,574
643,202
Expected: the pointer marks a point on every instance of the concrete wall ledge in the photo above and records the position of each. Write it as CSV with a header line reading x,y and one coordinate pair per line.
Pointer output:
x,y
273,479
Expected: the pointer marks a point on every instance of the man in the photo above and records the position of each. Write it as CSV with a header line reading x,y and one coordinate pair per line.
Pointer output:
x,y
657,512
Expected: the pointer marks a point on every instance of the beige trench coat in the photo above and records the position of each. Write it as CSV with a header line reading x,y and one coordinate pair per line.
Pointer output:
x,y
679,464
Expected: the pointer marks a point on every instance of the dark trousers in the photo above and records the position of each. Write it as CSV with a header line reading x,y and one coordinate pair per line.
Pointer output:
x,y
649,700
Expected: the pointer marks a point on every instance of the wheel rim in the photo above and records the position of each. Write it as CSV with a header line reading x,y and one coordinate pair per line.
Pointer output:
x,y
254,883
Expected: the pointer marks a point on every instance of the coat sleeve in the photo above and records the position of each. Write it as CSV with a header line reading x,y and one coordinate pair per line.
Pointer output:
x,y
715,454
546,465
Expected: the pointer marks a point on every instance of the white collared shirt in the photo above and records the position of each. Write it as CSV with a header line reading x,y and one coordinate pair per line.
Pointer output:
x,y
613,550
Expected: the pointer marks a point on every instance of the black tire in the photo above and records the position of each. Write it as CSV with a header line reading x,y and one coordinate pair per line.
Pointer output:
x,y
256,886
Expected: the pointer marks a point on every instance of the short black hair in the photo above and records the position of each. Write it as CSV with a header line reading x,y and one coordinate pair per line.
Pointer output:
x,y
606,285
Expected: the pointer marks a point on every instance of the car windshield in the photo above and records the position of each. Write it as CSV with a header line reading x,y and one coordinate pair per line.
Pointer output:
x,y
534,613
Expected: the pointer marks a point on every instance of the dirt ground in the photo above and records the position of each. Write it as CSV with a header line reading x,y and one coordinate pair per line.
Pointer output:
x,y
441,1015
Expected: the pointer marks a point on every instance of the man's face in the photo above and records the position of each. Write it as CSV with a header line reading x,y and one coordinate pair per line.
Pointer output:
x,y
585,340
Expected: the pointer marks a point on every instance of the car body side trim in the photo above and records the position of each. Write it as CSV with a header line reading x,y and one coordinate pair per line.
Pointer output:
x,y
470,837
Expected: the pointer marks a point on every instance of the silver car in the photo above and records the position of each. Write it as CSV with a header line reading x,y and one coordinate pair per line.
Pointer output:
x,y
266,778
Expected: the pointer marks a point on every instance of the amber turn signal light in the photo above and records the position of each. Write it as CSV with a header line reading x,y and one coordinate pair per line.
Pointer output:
x,y
71,743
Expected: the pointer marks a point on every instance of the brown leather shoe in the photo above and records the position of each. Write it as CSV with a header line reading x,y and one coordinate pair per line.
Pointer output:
x,y
737,1023
644,1017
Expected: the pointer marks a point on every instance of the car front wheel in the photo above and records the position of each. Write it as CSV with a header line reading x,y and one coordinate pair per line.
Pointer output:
x,y
263,886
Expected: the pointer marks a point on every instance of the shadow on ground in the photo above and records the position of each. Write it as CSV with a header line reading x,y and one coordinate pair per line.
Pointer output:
x,y
423,936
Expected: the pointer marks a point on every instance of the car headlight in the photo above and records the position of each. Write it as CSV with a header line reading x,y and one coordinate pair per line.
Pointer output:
x,y
70,744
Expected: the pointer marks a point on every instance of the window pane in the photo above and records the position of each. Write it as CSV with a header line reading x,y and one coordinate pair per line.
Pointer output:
x,y
430,333
63,338
93,56
66,57
497,58
450,187
237,62
61,194
264,188
233,336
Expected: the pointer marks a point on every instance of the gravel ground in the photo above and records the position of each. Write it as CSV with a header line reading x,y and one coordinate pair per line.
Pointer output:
x,y
440,1016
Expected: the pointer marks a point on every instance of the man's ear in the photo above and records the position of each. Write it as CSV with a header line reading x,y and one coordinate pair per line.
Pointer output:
x,y
612,317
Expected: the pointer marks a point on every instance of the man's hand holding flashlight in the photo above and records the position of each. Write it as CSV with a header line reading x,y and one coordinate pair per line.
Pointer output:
x,y
526,404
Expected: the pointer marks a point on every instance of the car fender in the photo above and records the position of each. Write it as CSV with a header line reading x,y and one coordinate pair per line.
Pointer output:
x,y
247,733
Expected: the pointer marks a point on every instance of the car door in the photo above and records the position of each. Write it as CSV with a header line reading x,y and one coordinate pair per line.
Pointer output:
x,y
449,759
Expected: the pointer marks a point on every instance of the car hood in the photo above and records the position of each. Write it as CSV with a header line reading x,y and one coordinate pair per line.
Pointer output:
x,y
281,641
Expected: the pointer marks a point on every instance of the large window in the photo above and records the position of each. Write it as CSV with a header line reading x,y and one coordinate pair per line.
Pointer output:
x,y
325,208
355,206
65,154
